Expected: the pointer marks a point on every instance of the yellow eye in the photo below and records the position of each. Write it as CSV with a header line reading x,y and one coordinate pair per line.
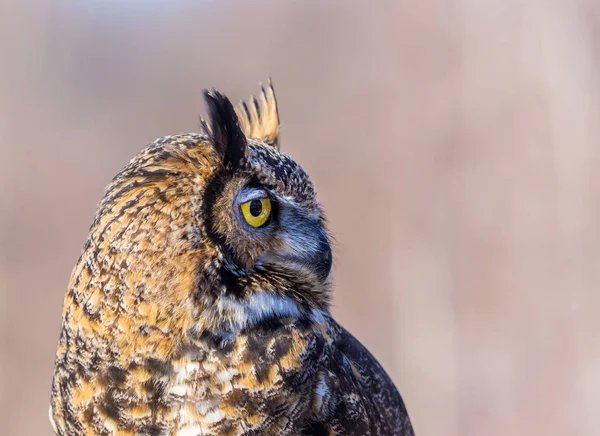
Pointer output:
x,y
257,212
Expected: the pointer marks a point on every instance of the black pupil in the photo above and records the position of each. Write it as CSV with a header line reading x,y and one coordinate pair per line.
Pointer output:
x,y
255,207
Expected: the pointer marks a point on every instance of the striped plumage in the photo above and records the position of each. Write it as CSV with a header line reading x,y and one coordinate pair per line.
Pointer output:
x,y
181,319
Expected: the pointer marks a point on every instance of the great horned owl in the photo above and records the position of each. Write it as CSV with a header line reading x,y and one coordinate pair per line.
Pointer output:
x,y
200,303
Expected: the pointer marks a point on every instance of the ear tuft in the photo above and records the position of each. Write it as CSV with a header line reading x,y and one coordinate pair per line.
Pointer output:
x,y
224,129
259,118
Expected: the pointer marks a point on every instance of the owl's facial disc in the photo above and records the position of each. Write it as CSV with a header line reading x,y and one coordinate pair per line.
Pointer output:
x,y
295,236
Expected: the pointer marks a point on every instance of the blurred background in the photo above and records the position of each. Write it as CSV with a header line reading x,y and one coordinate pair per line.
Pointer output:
x,y
451,143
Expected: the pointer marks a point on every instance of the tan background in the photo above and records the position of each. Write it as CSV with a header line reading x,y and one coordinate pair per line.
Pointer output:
x,y
453,144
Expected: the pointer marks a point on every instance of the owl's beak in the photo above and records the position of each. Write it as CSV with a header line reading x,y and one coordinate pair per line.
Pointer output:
x,y
314,253
306,247
323,258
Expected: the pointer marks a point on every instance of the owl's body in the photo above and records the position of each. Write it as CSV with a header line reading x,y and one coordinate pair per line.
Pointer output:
x,y
199,305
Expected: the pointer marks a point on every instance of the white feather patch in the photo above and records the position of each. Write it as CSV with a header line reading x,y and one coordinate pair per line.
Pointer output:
x,y
260,306
191,430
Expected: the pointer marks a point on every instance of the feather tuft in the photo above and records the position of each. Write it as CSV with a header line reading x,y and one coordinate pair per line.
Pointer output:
x,y
259,118
223,129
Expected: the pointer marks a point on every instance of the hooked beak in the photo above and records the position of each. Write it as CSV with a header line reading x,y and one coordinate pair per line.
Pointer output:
x,y
322,259
306,247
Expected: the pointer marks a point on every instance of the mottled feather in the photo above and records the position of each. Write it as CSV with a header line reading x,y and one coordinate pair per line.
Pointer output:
x,y
181,319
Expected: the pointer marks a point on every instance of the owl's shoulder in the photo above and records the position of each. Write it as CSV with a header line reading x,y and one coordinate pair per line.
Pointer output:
x,y
357,394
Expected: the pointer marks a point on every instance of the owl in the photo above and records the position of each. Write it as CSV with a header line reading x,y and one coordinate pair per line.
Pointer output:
x,y
200,302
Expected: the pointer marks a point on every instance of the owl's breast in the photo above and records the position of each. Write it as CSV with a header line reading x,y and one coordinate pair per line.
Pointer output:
x,y
263,380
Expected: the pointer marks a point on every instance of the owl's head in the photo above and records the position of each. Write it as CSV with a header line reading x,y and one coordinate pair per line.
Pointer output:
x,y
260,212
213,231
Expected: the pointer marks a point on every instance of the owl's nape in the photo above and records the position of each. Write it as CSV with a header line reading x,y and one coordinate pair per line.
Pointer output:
x,y
200,302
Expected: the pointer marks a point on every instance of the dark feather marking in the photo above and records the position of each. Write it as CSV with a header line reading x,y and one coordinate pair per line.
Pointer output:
x,y
274,95
116,216
257,107
234,288
110,405
159,368
116,375
224,129
213,191
94,316
316,429
247,111
152,430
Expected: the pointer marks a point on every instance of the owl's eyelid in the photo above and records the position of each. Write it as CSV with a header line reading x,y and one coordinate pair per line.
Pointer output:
x,y
249,194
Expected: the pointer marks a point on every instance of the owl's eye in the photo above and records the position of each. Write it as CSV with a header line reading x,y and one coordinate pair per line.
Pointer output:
x,y
257,212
